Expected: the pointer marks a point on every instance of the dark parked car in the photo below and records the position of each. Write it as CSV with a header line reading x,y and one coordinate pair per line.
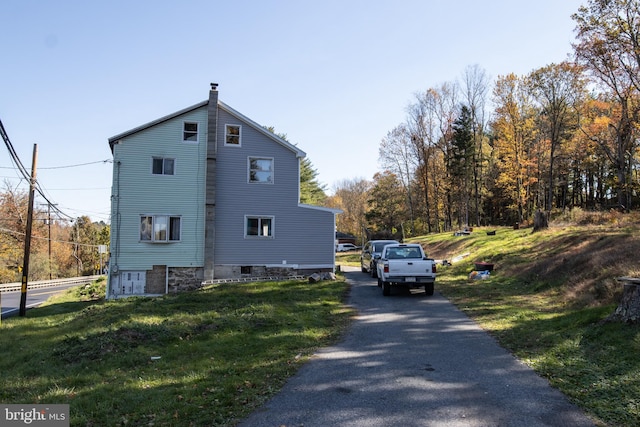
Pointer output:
x,y
371,254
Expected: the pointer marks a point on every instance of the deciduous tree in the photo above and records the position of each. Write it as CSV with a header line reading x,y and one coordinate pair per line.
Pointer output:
x,y
386,203
475,87
350,195
608,46
514,131
557,89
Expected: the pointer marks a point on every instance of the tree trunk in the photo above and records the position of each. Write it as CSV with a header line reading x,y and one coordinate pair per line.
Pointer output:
x,y
628,310
540,221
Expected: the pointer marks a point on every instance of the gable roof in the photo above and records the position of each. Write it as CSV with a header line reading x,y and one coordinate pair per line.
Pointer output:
x,y
114,139
299,153
262,130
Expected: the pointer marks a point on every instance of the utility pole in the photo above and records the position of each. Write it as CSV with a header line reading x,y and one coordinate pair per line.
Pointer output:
x,y
49,225
48,222
27,237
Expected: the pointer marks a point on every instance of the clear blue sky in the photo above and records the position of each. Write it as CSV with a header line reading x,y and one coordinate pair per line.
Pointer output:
x,y
334,76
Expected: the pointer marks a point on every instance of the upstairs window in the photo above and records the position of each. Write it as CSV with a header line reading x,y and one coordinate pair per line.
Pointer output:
x,y
258,226
162,166
160,228
261,170
190,132
232,134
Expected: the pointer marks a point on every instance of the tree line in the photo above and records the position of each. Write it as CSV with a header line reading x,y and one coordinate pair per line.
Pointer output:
x,y
60,248
481,152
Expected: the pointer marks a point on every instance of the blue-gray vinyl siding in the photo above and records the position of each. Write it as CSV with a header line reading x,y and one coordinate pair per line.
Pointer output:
x,y
302,235
136,191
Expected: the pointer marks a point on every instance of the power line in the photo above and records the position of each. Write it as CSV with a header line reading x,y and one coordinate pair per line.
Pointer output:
x,y
23,171
12,152
80,164
66,166
6,230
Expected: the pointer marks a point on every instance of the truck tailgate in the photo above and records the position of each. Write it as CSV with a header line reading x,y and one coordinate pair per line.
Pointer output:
x,y
418,268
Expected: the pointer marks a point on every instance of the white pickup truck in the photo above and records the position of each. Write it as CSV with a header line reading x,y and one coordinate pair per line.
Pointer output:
x,y
405,265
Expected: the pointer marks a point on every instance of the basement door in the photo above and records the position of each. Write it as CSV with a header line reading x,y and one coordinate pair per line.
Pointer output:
x,y
132,282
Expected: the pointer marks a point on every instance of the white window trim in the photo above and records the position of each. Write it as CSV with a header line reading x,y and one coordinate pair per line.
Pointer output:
x,y
273,170
175,163
273,226
154,216
239,144
185,141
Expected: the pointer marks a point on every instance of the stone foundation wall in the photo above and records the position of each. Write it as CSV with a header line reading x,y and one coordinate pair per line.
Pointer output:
x,y
237,271
185,278
181,279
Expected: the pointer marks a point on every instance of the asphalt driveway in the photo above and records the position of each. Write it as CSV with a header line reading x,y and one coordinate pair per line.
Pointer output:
x,y
412,360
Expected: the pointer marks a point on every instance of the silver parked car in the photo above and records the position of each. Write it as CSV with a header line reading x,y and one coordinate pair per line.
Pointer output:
x,y
371,254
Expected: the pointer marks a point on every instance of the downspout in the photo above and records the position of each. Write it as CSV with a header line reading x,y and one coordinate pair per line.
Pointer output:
x,y
113,261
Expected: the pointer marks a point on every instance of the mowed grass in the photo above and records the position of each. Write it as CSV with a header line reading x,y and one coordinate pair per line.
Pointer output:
x,y
204,358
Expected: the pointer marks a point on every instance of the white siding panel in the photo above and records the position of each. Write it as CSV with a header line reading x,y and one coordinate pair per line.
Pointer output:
x,y
140,192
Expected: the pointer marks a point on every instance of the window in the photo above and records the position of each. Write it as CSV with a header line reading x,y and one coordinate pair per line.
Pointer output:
x,y
162,166
258,226
159,228
232,135
190,132
260,170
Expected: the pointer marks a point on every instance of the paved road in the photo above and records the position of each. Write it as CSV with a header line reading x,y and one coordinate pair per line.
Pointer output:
x,y
10,301
411,360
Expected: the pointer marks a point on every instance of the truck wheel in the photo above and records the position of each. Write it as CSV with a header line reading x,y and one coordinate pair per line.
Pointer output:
x,y
374,271
364,270
386,289
428,289
379,282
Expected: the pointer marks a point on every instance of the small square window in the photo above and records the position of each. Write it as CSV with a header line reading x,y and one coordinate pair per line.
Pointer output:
x,y
257,226
190,132
260,170
162,166
232,135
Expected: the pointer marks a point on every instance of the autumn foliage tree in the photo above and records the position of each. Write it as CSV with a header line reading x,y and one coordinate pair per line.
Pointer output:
x,y
608,46
386,204
59,248
350,195
563,136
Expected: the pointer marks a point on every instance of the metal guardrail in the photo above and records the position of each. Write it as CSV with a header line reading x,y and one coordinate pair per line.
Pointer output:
x,y
17,286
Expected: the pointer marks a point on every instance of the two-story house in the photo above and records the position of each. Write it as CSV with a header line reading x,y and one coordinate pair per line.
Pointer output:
x,y
206,193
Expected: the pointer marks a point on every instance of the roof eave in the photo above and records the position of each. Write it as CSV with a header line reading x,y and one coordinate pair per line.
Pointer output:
x,y
114,139
263,130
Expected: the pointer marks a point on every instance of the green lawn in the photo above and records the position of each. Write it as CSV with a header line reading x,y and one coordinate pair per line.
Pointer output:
x,y
202,358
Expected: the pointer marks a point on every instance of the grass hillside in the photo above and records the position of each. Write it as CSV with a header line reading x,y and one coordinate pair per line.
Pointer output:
x,y
577,262
547,301
202,358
